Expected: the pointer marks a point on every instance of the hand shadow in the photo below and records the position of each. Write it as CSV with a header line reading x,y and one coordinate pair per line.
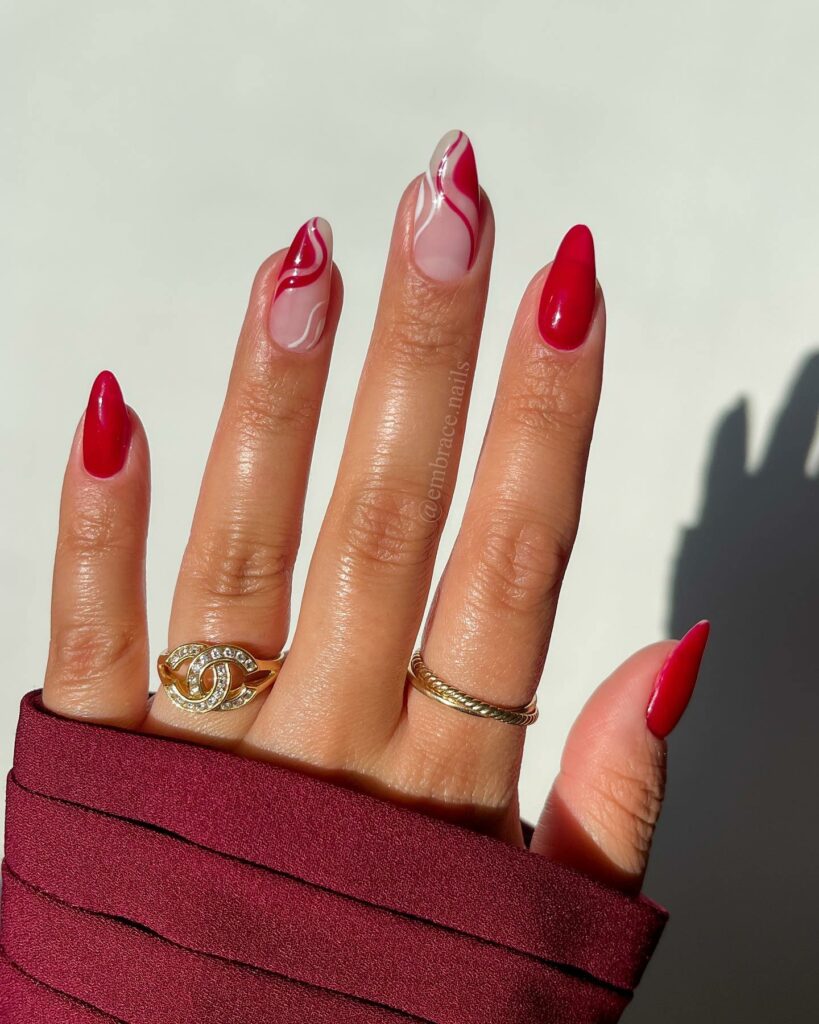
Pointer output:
x,y
736,858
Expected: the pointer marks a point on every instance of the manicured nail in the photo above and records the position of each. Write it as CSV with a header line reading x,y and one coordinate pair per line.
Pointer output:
x,y
446,214
106,432
302,291
675,682
568,296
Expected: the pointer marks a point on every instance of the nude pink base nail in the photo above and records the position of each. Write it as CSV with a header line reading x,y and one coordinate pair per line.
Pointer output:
x,y
447,210
302,293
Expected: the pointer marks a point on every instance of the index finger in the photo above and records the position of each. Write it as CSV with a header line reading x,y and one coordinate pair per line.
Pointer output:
x,y
98,656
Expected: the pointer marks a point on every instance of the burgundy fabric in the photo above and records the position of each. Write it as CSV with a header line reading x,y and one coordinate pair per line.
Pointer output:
x,y
157,880
256,926
24,999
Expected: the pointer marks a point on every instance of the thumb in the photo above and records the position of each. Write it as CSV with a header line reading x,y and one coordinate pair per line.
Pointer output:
x,y
600,815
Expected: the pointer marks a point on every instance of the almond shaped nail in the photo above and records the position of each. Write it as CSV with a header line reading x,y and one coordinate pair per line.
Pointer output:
x,y
569,292
302,293
106,433
676,680
447,210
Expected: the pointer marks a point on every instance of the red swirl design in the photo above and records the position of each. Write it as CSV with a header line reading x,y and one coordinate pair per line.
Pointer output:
x,y
463,176
306,259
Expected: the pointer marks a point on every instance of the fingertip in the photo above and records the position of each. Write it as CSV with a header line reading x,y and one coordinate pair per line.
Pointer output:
x,y
444,227
107,428
296,296
109,449
568,297
674,684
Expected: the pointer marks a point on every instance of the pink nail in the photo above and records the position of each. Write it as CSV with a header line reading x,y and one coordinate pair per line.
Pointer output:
x,y
302,292
446,214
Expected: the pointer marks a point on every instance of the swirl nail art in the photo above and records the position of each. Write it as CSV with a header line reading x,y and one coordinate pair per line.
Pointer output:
x,y
447,210
302,292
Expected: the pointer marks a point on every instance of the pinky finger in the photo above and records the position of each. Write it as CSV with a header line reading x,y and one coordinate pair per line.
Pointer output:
x,y
98,655
601,813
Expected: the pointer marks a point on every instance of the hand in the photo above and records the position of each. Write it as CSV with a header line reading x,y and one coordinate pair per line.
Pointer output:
x,y
341,705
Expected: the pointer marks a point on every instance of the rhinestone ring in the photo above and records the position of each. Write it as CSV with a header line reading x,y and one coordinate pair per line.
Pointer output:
x,y
220,677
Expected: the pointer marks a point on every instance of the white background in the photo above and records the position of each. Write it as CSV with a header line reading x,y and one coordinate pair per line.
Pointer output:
x,y
154,153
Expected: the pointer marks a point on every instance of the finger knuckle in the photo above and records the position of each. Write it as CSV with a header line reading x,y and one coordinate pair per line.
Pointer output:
x,y
626,800
94,531
426,333
230,564
518,562
381,528
269,410
85,650
448,764
544,405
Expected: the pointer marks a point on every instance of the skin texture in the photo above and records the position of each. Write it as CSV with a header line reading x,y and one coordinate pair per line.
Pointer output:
x,y
340,706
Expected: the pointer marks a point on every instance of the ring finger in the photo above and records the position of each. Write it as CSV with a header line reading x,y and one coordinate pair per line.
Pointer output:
x,y
491,622
234,583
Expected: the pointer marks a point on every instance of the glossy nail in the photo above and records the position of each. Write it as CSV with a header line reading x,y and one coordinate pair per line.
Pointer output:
x,y
446,213
302,293
676,680
569,292
106,433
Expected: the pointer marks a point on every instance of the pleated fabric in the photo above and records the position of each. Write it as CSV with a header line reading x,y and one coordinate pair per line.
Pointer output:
x,y
154,881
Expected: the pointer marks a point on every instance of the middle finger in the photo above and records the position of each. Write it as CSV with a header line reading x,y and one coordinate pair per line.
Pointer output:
x,y
342,686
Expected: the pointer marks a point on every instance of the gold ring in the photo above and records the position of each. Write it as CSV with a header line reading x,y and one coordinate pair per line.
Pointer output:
x,y
216,665
427,682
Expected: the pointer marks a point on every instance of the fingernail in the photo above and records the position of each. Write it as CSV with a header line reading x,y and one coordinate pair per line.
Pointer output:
x,y
676,680
302,291
446,213
106,433
568,296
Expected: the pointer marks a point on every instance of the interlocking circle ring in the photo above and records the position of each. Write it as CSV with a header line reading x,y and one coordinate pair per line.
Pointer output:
x,y
211,683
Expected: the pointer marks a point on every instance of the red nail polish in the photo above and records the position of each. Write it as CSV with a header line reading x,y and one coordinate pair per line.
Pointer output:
x,y
302,292
106,431
567,300
676,680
